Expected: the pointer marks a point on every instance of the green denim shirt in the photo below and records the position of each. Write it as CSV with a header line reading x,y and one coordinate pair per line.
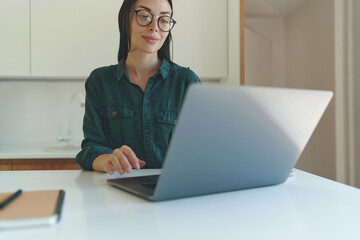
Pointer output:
x,y
118,112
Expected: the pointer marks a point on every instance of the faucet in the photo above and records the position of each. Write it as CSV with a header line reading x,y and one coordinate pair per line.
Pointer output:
x,y
69,138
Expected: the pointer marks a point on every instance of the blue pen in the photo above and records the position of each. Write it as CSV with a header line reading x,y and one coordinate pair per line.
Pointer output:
x,y
10,199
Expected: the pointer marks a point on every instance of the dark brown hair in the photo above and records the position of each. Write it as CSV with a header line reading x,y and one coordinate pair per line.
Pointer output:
x,y
124,28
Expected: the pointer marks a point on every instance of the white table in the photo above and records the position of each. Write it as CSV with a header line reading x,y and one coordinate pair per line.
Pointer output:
x,y
305,207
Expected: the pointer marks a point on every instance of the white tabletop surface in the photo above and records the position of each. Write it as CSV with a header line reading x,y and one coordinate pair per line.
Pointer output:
x,y
304,207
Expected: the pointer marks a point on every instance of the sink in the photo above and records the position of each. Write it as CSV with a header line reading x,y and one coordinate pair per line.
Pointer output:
x,y
62,149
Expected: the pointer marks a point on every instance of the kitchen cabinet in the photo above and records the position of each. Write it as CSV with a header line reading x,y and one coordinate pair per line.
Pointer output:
x,y
15,38
38,164
71,38
36,157
74,40
57,39
200,37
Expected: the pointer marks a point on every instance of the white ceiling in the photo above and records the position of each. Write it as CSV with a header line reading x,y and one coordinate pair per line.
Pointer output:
x,y
270,8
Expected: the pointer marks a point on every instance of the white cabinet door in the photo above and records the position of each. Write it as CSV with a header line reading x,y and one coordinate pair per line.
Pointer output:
x,y
72,37
200,36
14,40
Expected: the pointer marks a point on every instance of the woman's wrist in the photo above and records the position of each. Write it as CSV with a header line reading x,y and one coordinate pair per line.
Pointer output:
x,y
99,163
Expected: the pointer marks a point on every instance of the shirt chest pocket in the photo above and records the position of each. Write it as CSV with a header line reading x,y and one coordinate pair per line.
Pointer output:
x,y
118,125
165,124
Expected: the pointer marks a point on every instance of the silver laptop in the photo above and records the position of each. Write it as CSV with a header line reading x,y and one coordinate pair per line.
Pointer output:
x,y
230,138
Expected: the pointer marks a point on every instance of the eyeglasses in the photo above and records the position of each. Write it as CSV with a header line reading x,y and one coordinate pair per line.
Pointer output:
x,y
145,18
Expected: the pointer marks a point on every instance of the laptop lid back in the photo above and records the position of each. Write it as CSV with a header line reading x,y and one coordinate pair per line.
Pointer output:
x,y
230,138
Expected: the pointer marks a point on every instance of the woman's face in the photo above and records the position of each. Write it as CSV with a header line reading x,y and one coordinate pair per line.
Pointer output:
x,y
148,39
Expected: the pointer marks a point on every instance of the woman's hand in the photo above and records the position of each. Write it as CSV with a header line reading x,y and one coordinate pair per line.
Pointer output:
x,y
122,159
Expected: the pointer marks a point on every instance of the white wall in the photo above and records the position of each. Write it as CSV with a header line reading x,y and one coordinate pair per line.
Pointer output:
x,y
273,29
257,59
310,58
34,112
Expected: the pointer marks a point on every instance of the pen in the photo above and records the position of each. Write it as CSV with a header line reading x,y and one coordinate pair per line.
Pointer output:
x,y
10,199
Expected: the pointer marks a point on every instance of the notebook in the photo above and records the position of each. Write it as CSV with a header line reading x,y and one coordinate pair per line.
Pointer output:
x,y
32,208
230,138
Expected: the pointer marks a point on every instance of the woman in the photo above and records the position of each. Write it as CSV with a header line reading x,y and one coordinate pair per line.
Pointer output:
x,y
132,107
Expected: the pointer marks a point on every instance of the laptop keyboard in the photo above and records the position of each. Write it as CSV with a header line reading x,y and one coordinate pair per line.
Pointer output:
x,y
149,185
149,181
151,178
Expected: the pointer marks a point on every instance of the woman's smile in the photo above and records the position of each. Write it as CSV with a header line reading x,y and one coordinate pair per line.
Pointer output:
x,y
151,39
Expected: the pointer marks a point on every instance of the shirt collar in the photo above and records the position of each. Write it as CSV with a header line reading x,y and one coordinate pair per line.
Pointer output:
x,y
121,71
163,70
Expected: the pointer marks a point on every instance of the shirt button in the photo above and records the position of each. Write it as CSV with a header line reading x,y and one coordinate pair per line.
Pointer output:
x,y
114,114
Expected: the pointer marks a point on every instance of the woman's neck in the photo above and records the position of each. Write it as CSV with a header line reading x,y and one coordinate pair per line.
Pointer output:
x,y
142,65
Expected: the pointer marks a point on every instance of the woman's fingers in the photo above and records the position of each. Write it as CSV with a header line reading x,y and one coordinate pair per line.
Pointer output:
x,y
124,160
108,167
130,155
125,163
116,163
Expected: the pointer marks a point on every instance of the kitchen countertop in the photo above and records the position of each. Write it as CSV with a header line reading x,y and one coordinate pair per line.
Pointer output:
x,y
24,151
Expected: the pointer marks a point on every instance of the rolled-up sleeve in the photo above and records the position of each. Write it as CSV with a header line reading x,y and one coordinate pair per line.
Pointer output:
x,y
95,142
